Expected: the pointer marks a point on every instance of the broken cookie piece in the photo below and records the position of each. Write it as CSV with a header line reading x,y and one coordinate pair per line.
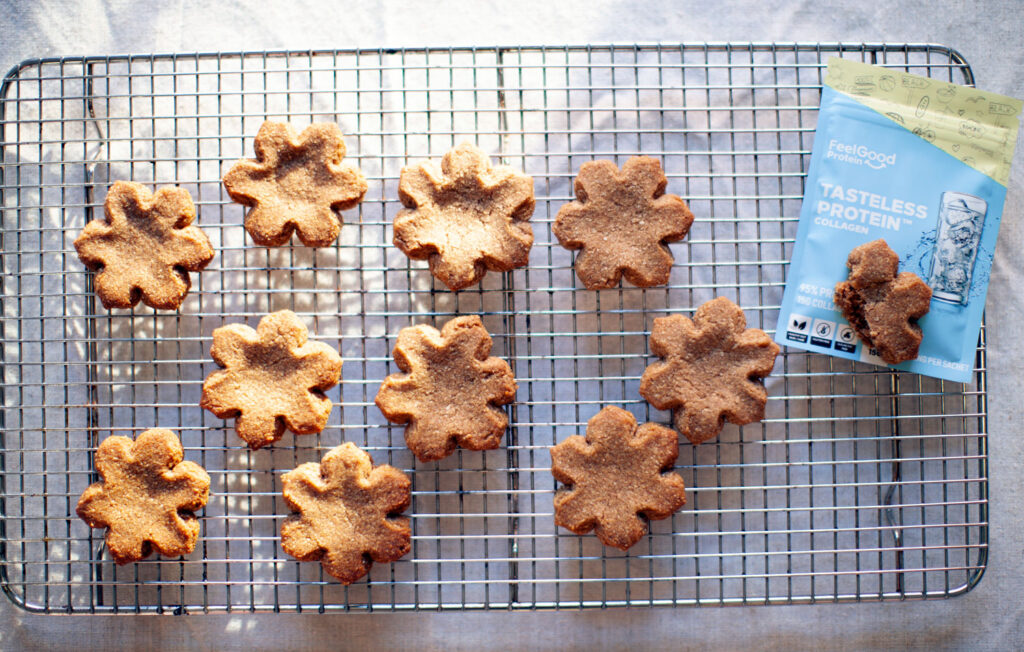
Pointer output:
x,y
145,247
622,222
881,306
451,390
616,478
711,369
465,216
347,513
296,184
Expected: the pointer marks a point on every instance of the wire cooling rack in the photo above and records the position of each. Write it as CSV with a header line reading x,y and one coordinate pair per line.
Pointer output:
x,y
861,483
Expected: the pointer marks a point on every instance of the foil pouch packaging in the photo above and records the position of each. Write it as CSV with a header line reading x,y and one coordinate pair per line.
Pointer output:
x,y
923,164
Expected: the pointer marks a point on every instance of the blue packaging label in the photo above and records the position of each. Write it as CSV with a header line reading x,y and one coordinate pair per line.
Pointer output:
x,y
871,177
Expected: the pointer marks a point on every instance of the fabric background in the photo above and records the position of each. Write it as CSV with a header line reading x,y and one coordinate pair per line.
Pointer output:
x,y
986,33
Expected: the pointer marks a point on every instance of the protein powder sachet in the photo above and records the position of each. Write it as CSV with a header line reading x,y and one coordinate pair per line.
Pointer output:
x,y
922,164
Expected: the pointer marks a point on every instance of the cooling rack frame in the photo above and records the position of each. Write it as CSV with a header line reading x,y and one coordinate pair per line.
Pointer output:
x,y
861,484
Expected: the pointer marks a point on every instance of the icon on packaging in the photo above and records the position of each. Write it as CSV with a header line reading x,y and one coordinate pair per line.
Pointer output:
x,y
846,339
822,332
798,328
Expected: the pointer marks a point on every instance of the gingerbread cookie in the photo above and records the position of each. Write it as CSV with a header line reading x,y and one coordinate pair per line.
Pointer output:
x,y
623,222
711,370
145,247
616,475
272,379
465,217
146,497
451,390
297,183
347,513
882,307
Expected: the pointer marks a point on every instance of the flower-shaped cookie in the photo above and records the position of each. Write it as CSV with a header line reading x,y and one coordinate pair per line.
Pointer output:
x,y
465,217
272,379
712,369
616,475
622,221
146,496
297,183
882,307
347,513
450,391
145,247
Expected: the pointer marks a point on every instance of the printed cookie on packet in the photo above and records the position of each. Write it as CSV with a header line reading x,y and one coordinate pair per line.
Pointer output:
x,y
145,247
711,369
881,306
450,391
271,379
297,183
465,216
622,221
146,496
347,513
614,476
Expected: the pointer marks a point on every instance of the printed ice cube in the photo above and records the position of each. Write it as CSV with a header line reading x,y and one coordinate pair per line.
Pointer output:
x,y
958,235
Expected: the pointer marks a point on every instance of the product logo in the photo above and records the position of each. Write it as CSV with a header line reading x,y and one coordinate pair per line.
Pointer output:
x,y
859,155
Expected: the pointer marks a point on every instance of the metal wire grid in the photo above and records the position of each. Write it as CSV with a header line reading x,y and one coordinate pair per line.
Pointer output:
x,y
860,484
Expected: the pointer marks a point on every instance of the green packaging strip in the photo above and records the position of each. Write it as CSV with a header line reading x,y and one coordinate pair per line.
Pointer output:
x,y
977,127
